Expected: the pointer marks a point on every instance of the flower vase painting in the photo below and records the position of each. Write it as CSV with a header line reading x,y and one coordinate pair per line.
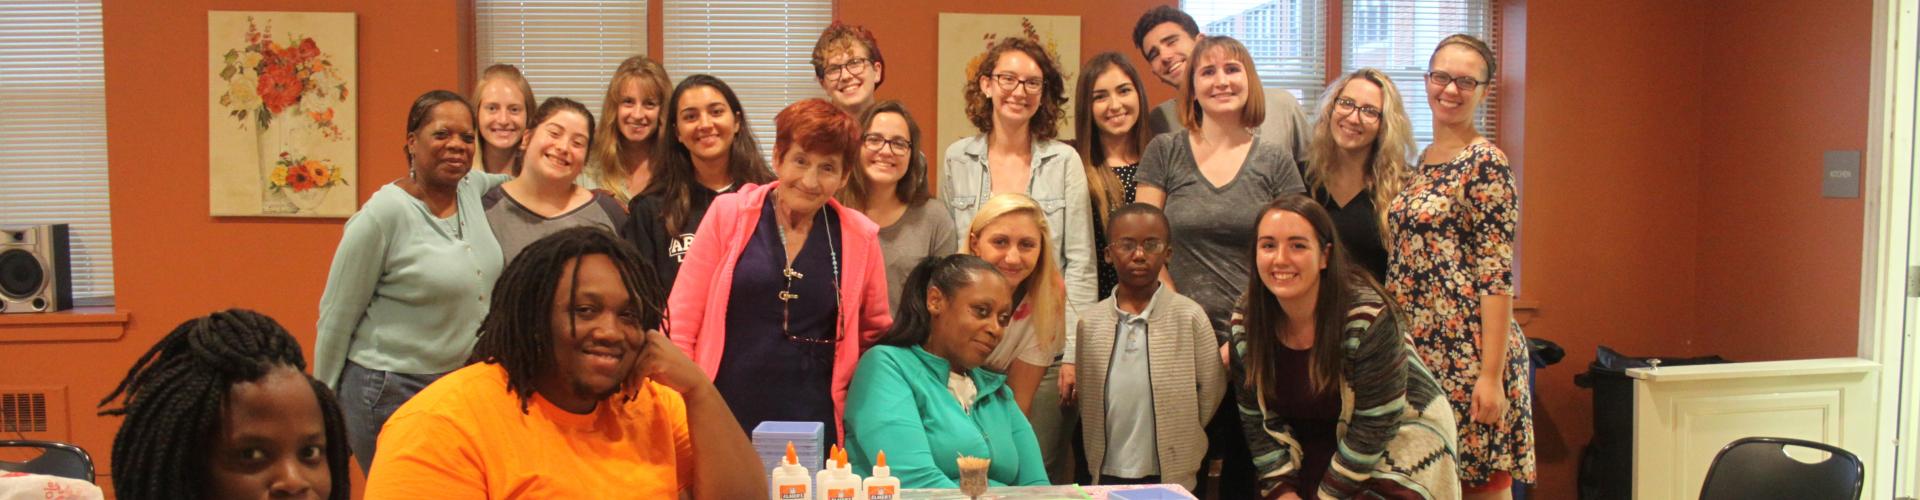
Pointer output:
x,y
281,114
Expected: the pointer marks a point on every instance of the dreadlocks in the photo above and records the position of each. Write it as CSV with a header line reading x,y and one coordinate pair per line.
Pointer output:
x,y
516,333
175,395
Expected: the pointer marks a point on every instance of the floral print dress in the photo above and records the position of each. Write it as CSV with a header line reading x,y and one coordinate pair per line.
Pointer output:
x,y
1454,228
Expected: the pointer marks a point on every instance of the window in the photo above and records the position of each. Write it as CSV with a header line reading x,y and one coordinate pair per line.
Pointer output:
x,y
566,48
53,122
1397,37
761,48
1288,39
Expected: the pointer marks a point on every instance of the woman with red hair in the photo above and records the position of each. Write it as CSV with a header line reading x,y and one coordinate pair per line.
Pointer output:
x,y
781,293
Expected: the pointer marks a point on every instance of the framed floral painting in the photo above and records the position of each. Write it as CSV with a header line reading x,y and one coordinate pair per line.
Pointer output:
x,y
281,110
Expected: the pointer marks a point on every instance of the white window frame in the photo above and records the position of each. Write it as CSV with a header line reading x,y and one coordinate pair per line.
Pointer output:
x,y
53,132
762,49
565,48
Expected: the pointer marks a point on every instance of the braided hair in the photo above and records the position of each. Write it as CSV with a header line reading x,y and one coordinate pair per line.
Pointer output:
x,y
175,394
516,332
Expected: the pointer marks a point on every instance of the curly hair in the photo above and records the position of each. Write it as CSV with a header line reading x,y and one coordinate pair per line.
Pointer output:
x,y
1045,124
839,38
176,393
816,126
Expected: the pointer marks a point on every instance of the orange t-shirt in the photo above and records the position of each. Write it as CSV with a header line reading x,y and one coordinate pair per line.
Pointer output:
x,y
465,437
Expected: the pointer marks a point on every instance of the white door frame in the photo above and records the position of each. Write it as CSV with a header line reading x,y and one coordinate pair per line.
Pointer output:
x,y
1885,310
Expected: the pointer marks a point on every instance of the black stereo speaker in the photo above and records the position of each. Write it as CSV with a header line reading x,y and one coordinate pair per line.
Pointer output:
x,y
36,269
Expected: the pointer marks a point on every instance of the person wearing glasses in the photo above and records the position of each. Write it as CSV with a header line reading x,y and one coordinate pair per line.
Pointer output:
x,y
1451,270
1212,177
1357,162
1154,376
1017,100
785,287
849,67
890,187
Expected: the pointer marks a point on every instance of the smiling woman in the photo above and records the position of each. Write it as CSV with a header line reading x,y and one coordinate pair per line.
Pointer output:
x,y
925,394
544,198
795,278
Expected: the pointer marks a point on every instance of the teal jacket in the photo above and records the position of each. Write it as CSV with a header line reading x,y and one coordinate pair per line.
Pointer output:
x,y
900,404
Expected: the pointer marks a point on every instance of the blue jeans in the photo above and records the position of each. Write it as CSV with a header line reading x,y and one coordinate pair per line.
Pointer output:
x,y
367,398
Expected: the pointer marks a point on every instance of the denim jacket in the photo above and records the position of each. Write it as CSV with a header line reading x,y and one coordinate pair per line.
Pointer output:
x,y
1059,185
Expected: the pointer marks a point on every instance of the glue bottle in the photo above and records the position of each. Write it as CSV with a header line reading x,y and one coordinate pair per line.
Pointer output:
x,y
826,472
882,485
790,480
839,483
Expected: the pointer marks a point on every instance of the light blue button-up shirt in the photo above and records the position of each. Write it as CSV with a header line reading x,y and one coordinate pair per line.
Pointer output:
x,y
1059,184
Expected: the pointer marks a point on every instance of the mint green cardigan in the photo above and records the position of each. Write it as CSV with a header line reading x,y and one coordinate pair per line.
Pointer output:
x,y
404,294
900,404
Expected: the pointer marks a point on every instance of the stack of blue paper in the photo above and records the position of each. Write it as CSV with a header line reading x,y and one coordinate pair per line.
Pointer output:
x,y
809,439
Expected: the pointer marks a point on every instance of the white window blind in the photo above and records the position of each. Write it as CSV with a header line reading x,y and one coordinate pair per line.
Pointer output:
x,y
566,48
53,130
1288,39
1397,37
761,48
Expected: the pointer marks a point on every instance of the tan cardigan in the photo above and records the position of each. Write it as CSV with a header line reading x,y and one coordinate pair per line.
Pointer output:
x,y
1183,360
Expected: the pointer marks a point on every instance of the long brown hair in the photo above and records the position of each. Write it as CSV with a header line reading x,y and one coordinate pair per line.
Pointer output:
x,y
608,144
1341,284
1388,163
1101,182
673,175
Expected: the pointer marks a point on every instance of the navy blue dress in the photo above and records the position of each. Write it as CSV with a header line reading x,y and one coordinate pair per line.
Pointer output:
x,y
763,374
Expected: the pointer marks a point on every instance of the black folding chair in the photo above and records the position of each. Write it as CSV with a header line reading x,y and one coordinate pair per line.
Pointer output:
x,y
56,459
1758,468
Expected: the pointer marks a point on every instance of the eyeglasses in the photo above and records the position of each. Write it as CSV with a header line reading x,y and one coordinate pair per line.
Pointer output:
x,y
853,67
1440,79
1008,80
1126,247
874,142
1346,106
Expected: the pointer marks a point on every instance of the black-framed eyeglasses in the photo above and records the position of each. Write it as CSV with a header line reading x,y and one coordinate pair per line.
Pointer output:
x,y
874,142
1128,246
1440,79
853,67
1346,106
1006,81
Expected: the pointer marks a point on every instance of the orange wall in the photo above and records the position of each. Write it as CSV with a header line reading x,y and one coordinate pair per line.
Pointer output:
x,y
172,261
1670,198
1776,258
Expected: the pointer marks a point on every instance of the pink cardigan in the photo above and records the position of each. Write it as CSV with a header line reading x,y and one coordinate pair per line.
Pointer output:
x,y
697,306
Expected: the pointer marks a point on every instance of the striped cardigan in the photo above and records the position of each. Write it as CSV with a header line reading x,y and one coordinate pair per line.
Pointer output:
x,y
1183,360
1395,430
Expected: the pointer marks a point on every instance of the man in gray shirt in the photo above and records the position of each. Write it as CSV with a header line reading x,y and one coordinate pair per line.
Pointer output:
x,y
1165,37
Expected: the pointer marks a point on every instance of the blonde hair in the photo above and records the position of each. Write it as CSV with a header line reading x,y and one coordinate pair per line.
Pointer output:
x,y
1044,287
511,75
1388,163
605,169
1253,113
